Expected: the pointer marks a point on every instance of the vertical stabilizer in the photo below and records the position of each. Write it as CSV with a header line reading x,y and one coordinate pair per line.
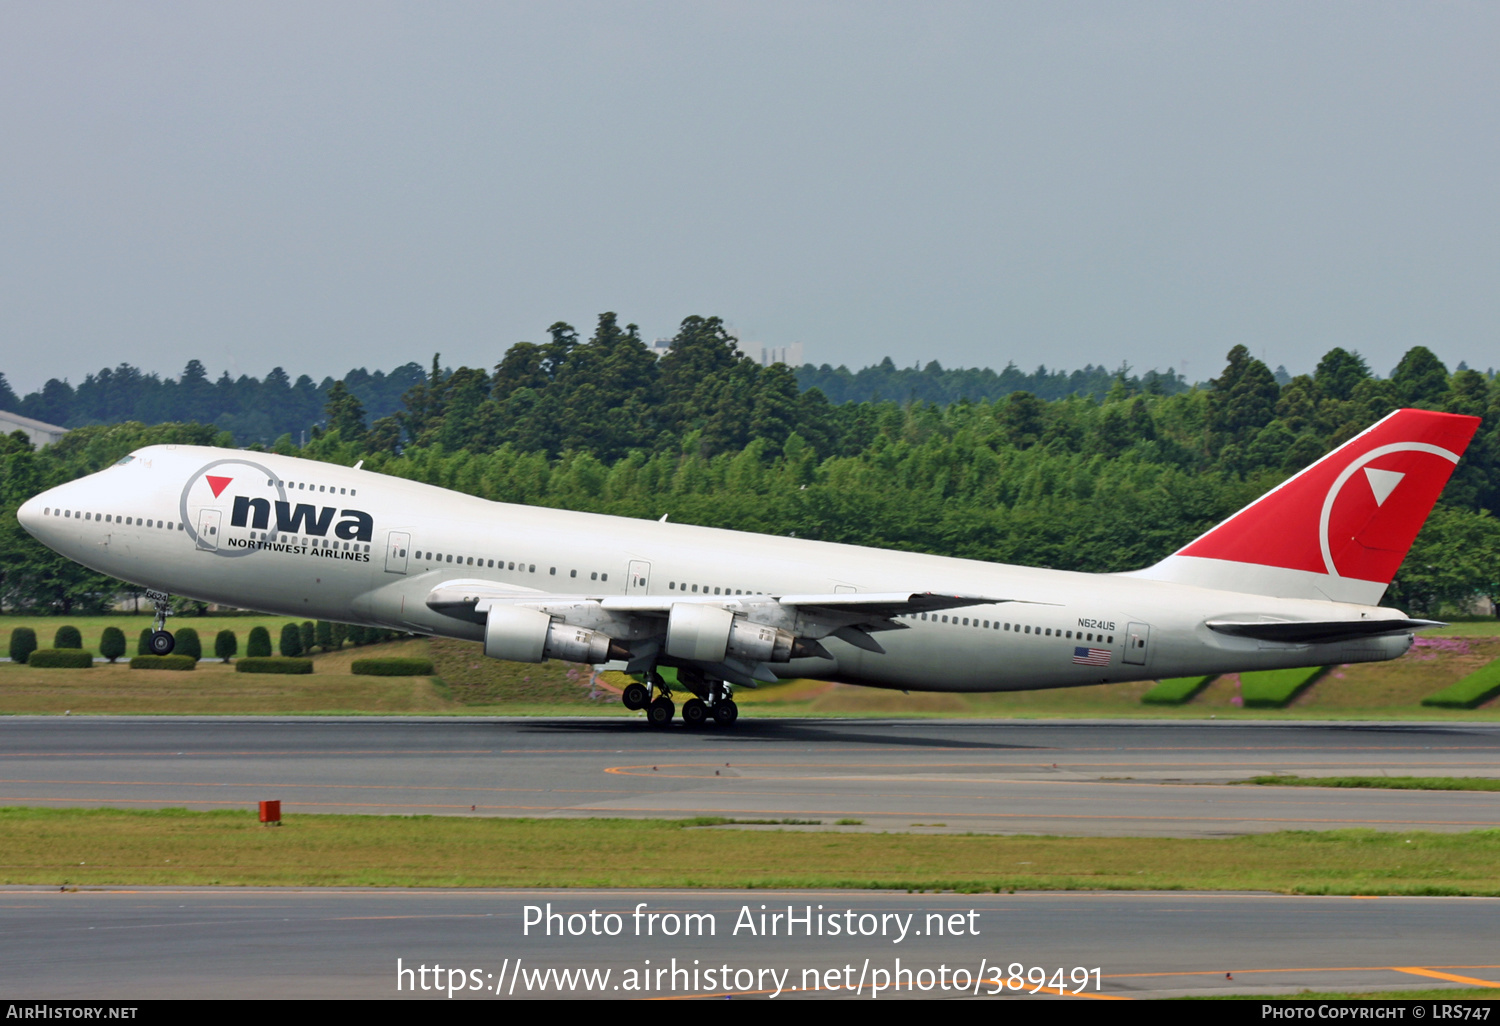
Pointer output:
x,y
1339,529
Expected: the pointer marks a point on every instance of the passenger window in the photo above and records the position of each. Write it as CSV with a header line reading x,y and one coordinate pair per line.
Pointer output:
x,y
572,573
604,577
533,568
594,576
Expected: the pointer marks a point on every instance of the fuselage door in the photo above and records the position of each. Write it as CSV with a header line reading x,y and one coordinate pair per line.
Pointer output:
x,y
1137,643
395,552
640,577
208,529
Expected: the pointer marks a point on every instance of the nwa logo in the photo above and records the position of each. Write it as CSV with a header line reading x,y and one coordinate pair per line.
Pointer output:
x,y
303,518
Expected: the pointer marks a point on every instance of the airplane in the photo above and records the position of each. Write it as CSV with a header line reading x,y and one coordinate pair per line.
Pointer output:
x,y
1294,579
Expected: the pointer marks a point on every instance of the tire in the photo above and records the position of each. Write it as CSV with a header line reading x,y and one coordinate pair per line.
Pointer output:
x,y
694,712
162,643
660,712
726,712
635,696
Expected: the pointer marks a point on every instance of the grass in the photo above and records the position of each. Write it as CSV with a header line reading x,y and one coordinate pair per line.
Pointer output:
x,y
1175,690
60,847
1385,783
1273,689
466,683
1468,692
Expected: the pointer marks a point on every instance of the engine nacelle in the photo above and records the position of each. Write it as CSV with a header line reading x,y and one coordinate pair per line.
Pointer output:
x,y
530,635
709,634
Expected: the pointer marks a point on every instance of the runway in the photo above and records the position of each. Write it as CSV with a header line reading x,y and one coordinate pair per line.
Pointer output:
x,y
163,943
1058,777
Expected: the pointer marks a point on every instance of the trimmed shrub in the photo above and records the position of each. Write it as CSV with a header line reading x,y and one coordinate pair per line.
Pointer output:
x,y
259,645
1176,690
340,632
309,637
112,643
393,667
226,645
324,630
22,644
1272,689
1469,692
67,636
291,641
61,659
166,662
274,665
188,644
143,643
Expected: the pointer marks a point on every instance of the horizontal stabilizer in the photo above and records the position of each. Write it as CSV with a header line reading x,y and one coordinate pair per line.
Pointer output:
x,y
1308,632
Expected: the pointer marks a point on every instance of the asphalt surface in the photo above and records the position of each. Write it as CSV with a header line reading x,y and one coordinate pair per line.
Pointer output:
x,y
1085,778
207,943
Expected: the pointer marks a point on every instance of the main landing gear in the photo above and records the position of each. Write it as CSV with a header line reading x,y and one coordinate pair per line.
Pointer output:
x,y
711,701
162,641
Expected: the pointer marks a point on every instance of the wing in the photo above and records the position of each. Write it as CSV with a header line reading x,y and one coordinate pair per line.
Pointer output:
x,y
733,636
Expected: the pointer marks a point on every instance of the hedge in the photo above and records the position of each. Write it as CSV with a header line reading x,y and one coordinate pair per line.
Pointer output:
x,y
392,666
1272,689
22,644
273,664
1176,690
67,636
61,658
166,662
291,640
1465,693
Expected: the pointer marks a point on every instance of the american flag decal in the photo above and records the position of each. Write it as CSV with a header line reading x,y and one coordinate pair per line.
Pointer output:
x,y
1092,656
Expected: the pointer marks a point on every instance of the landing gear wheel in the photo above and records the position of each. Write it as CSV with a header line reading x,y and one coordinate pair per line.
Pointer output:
x,y
725,712
635,696
694,712
162,643
659,713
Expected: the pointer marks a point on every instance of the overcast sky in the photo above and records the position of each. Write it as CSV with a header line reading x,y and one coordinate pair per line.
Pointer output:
x,y
328,185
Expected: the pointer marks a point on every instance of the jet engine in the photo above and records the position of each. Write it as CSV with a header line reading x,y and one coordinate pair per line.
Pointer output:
x,y
530,636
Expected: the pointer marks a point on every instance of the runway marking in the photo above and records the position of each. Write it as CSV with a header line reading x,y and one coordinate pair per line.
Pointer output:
x,y
1450,977
266,751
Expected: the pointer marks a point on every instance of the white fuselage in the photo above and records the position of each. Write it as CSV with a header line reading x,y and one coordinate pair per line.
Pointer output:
x,y
370,548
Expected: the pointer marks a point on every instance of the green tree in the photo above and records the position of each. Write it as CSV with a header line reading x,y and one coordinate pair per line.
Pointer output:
x,y
1338,372
291,640
323,630
112,643
345,413
22,644
258,646
309,636
1243,400
143,642
1420,378
188,643
67,636
226,645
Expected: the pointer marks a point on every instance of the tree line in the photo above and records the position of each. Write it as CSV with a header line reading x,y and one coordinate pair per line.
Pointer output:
x,y
1085,481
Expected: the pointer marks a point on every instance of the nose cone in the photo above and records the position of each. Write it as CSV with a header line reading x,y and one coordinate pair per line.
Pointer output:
x,y
30,513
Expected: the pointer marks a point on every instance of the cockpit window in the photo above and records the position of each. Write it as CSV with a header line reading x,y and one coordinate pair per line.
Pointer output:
x,y
123,460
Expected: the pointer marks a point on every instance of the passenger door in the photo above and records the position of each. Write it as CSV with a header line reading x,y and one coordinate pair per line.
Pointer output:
x,y
640,577
208,529
1137,639
395,552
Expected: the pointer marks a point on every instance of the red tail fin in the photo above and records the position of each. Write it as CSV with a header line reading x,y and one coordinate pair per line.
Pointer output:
x,y
1348,519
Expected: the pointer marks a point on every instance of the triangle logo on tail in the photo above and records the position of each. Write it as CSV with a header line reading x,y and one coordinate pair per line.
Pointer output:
x,y
1382,483
218,484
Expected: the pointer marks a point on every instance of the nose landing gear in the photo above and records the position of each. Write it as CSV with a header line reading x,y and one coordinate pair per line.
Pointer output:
x,y
162,641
